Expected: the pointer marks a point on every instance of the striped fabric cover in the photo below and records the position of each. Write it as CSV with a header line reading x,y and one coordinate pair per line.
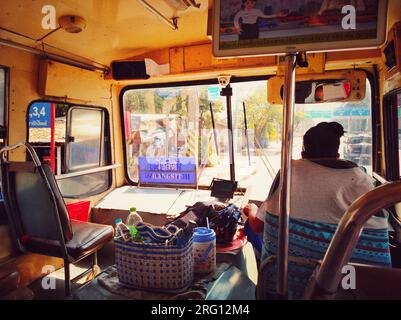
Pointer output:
x,y
310,240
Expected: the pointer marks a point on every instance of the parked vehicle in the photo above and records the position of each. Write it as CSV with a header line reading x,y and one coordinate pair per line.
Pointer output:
x,y
358,149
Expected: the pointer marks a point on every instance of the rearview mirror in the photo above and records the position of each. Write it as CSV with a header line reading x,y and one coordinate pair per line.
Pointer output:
x,y
343,86
329,92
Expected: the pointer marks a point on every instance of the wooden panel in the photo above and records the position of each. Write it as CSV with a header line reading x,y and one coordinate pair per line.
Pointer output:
x,y
316,62
23,90
356,58
198,62
61,80
108,216
177,60
197,57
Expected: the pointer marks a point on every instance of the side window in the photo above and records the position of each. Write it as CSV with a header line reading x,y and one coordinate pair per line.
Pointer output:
x,y
392,131
73,140
85,139
398,103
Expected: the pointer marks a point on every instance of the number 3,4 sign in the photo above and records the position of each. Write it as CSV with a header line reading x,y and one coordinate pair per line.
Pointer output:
x,y
39,115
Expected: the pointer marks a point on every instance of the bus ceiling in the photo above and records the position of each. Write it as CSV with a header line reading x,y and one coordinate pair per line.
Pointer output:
x,y
129,31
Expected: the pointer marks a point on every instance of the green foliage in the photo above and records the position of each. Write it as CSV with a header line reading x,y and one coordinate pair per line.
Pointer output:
x,y
134,101
263,118
266,120
204,109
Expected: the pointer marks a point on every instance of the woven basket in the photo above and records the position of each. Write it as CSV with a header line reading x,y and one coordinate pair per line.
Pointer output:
x,y
156,267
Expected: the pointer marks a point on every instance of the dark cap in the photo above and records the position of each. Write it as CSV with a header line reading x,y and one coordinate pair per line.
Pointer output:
x,y
323,140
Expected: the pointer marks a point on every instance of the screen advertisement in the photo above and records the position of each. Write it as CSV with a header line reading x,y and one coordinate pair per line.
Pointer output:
x,y
260,27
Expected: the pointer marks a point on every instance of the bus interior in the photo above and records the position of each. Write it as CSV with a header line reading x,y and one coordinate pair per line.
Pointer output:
x,y
121,104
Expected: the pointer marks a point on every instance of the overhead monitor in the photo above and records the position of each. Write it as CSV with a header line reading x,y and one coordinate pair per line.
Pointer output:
x,y
262,27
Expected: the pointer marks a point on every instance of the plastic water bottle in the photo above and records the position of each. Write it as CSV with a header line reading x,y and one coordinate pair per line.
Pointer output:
x,y
133,218
204,248
122,230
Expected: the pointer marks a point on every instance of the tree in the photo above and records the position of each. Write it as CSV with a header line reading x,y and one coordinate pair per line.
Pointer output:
x,y
204,110
263,118
134,101
266,120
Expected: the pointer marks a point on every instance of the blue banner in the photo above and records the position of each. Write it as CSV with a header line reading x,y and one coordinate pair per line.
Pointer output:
x,y
163,170
168,92
354,112
213,93
39,115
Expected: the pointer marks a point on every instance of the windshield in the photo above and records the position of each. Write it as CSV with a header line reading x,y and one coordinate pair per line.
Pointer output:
x,y
355,117
178,135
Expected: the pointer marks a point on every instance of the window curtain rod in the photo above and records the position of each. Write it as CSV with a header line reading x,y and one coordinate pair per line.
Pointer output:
x,y
54,57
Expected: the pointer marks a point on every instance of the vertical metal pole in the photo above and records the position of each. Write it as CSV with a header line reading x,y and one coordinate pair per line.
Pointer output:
x,y
214,129
285,175
228,93
246,135
52,137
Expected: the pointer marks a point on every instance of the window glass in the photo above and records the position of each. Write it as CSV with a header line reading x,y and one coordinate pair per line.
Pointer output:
x,y
257,150
356,118
399,126
89,184
177,122
173,124
85,136
79,134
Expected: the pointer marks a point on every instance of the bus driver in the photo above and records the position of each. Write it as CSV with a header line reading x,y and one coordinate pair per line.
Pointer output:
x,y
323,188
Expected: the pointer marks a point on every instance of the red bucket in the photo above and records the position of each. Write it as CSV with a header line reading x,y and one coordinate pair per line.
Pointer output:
x,y
79,210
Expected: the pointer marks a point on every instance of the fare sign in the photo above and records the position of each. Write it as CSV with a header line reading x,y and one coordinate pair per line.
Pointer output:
x,y
39,115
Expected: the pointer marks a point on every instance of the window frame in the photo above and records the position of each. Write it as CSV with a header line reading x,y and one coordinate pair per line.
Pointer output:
x,y
102,154
171,85
106,145
377,156
391,127
4,131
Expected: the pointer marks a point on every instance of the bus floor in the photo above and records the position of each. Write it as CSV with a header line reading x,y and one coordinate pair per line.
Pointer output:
x,y
243,261
105,260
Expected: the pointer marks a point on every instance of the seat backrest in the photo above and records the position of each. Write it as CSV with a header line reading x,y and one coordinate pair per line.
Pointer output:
x,y
310,240
33,201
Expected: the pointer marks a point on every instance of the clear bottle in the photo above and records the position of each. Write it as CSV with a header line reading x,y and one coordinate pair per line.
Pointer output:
x,y
122,230
133,218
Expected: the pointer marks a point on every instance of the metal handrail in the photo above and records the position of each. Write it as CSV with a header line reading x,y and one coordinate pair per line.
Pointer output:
x,y
347,235
31,151
86,172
